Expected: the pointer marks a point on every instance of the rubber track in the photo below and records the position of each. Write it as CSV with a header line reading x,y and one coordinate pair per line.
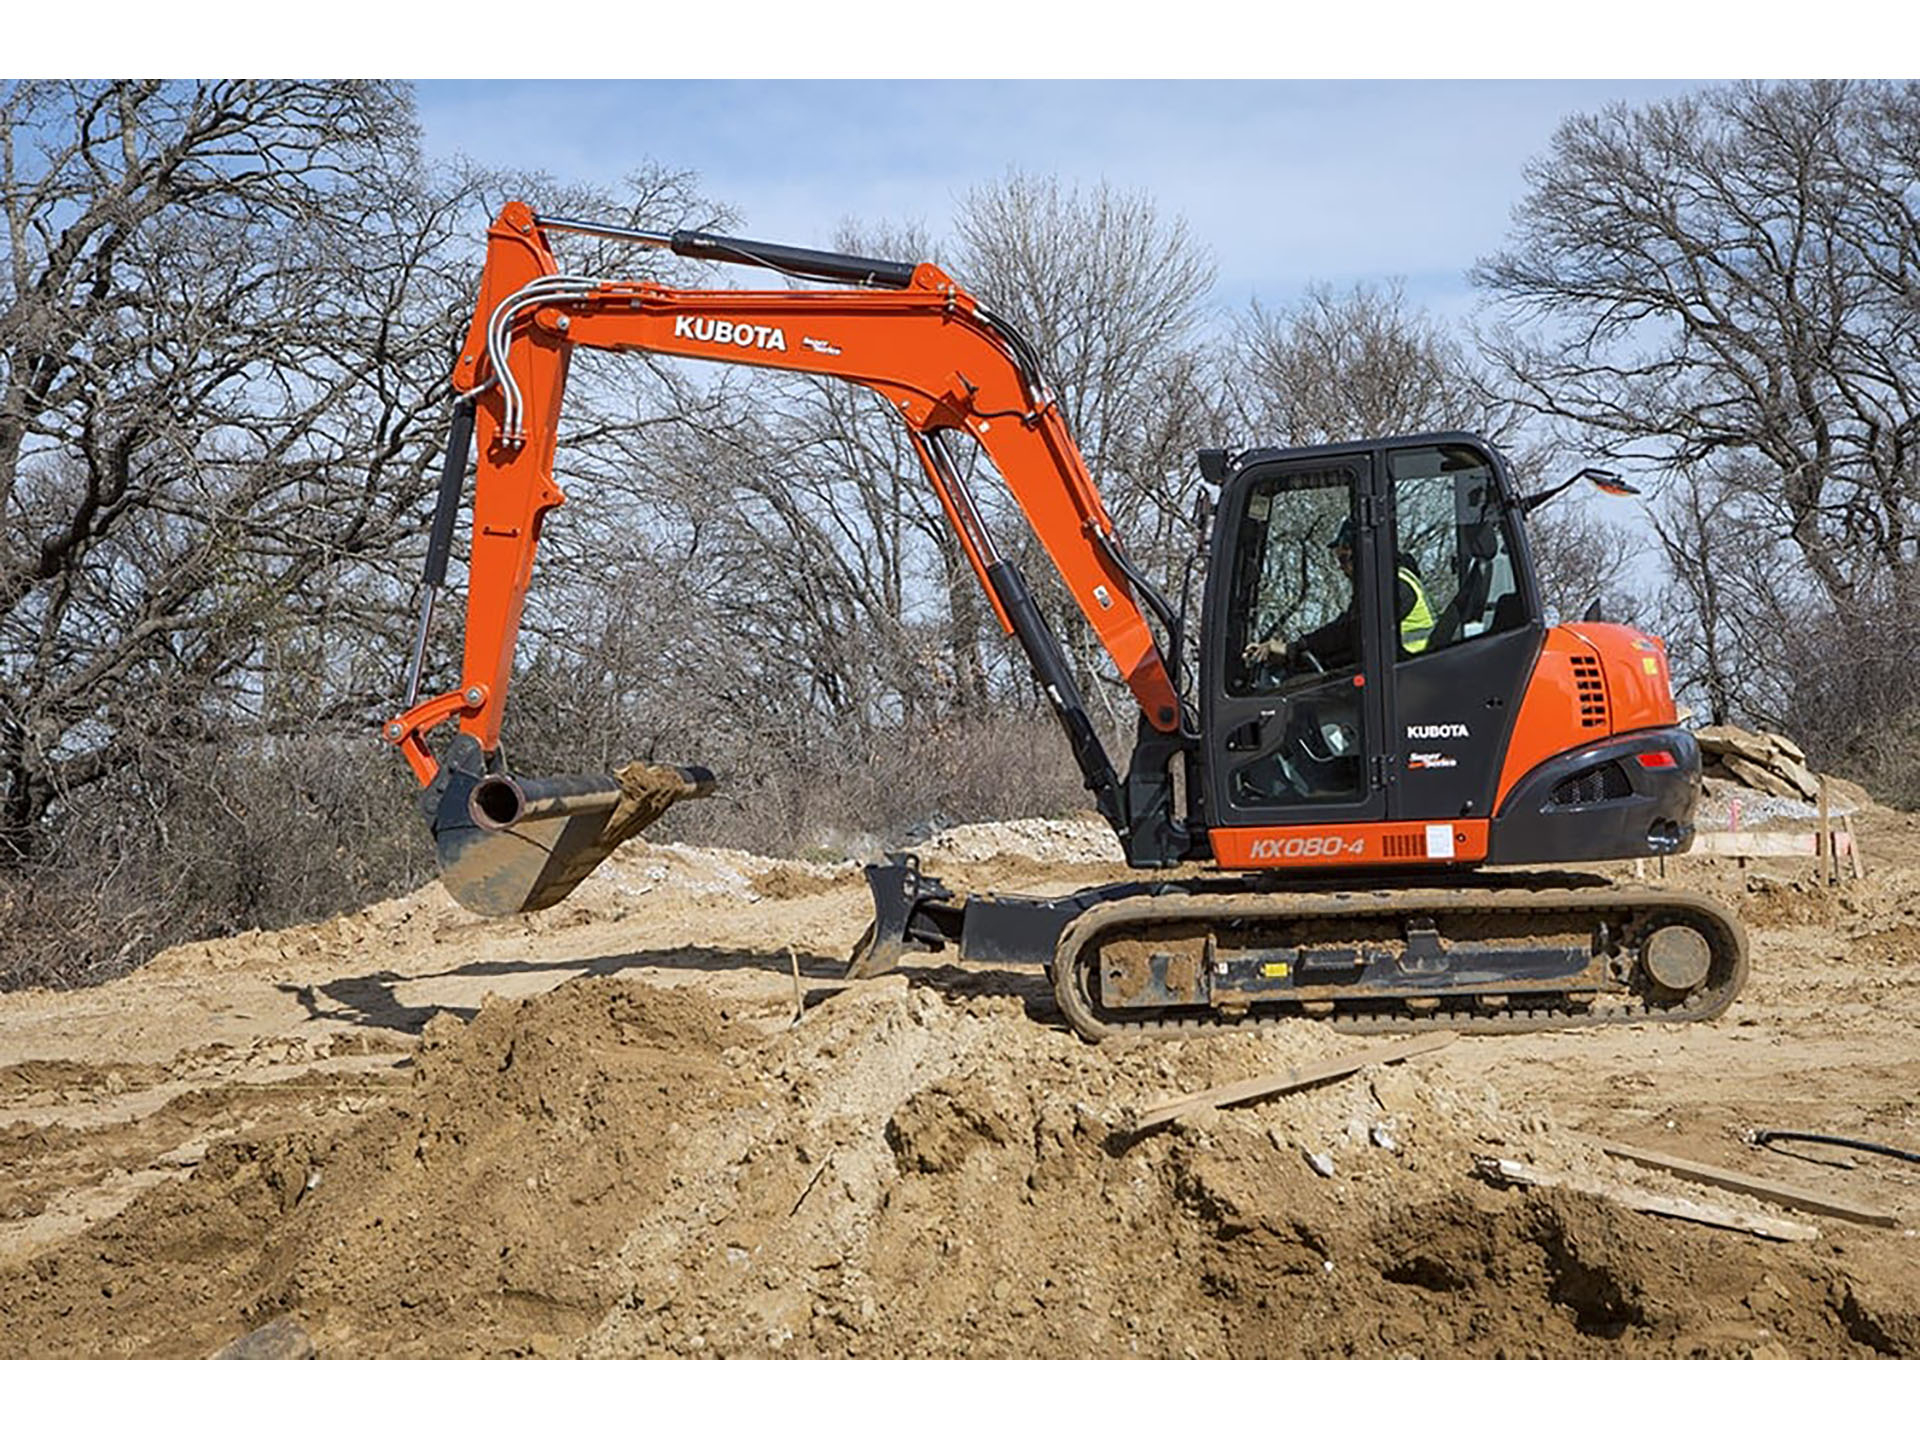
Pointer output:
x,y
1727,970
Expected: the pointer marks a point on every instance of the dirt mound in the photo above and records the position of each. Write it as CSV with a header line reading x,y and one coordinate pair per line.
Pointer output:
x,y
789,880
618,1169
596,1131
477,1215
1080,840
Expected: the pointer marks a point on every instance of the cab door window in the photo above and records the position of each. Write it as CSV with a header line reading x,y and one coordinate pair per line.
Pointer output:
x,y
1454,573
1294,580
1294,732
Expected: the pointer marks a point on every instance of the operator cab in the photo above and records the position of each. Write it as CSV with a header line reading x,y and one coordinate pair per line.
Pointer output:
x,y
1370,613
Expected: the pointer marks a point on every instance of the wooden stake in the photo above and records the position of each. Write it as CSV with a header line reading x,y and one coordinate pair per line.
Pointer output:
x,y
1823,842
1853,849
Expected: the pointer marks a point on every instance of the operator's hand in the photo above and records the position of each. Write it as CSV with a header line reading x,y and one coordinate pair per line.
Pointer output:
x,y
1267,652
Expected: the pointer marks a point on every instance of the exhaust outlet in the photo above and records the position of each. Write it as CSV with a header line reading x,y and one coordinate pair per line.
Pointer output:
x,y
510,844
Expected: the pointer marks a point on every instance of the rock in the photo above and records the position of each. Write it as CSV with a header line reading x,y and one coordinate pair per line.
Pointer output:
x,y
1758,777
1732,740
282,1338
1787,747
1396,1088
1799,776
1319,1161
1766,762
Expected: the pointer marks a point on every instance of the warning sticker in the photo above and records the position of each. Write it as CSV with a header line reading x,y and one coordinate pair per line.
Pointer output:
x,y
1439,842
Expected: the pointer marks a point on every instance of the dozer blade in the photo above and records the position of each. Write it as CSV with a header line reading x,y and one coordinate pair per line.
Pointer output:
x,y
510,844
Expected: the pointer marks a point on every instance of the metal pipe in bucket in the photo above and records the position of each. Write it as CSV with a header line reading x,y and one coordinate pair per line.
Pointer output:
x,y
509,843
500,801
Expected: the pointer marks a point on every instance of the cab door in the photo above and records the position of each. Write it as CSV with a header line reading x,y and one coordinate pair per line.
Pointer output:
x,y
1291,701
1464,646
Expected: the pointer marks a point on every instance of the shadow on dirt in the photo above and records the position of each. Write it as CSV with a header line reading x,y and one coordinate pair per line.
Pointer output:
x,y
374,999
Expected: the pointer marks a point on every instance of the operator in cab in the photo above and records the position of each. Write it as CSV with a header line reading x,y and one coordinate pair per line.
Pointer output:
x,y
1335,645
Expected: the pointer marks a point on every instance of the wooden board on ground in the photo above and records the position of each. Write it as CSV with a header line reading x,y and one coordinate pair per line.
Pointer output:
x,y
1762,843
1295,1079
1793,1197
1648,1202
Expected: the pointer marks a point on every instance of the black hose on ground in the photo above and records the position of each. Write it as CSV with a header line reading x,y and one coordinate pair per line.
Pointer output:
x,y
1767,1137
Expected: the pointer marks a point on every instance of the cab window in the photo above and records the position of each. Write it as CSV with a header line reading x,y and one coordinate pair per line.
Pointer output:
x,y
1452,550
1292,586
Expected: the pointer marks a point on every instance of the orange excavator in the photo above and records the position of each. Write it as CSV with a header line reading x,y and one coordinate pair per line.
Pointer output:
x,y
1380,712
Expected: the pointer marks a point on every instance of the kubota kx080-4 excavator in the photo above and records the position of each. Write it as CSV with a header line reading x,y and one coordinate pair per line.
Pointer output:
x,y
1381,708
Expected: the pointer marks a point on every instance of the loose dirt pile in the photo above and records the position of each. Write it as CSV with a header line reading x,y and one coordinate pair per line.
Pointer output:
x,y
599,1132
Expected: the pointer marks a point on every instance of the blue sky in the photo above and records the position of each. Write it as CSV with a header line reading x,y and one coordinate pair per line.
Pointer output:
x,y
1284,182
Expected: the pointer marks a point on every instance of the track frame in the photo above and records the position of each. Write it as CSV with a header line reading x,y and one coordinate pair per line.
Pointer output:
x,y
1505,983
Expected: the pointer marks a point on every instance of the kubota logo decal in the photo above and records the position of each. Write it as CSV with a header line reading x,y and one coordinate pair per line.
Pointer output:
x,y
1437,732
726,332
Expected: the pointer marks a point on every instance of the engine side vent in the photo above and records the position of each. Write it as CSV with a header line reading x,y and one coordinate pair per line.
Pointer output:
x,y
1594,784
1403,847
1592,692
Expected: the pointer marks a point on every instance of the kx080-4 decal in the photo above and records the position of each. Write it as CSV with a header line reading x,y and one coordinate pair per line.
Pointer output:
x,y
1307,847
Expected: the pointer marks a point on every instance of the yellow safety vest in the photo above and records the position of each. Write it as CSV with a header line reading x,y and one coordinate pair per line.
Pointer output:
x,y
1416,626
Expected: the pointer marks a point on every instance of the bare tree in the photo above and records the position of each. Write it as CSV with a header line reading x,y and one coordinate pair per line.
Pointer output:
x,y
1110,292
816,614
1723,283
1341,367
1728,585
226,317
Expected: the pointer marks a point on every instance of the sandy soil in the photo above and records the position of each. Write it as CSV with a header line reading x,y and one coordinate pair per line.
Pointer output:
x,y
599,1132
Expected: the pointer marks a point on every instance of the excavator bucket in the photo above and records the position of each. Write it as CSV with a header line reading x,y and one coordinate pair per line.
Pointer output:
x,y
509,844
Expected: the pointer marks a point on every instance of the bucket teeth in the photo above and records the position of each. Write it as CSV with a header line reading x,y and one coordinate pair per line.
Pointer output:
x,y
508,844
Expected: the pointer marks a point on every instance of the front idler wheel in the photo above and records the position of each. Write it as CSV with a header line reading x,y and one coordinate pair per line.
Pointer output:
x,y
1677,958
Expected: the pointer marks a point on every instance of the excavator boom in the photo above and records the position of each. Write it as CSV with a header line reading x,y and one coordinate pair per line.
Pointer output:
x,y
910,334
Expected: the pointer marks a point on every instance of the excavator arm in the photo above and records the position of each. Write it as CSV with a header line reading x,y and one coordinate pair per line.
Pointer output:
x,y
910,334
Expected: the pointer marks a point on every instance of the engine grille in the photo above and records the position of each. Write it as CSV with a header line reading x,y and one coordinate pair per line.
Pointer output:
x,y
1592,692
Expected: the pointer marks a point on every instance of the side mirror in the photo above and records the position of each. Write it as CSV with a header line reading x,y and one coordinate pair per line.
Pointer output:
x,y
1608,482
1213,466
1202,520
